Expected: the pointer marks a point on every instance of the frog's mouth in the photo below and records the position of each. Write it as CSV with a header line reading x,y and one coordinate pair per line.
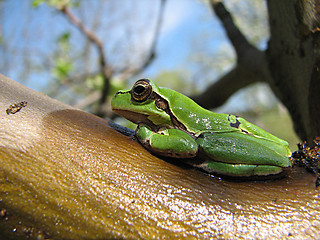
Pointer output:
x,y
136,118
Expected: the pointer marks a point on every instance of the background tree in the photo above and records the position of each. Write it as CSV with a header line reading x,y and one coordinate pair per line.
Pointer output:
x,y
118,41
290,65
96,48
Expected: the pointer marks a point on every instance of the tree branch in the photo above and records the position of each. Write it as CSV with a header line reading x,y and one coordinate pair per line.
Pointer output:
x,y
106,70
251,64
238,40
290,65
219,92
66,174
152,53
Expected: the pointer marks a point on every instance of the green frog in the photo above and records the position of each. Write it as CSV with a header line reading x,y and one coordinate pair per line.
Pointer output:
x,y
171,124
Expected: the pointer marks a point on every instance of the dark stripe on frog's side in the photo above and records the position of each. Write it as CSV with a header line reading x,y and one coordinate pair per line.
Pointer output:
x,y
164,105
236,124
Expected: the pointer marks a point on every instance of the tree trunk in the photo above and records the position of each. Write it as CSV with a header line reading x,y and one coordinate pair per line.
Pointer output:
x,y
290,64
294,60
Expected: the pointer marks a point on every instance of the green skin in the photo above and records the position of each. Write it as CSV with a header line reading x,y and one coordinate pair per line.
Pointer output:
x,y
171,124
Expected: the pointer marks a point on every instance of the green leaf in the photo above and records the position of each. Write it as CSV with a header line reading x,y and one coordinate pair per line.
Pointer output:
x,y
36,3
95,82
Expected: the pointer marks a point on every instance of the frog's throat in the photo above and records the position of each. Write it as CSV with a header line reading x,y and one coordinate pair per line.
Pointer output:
x,y
136,118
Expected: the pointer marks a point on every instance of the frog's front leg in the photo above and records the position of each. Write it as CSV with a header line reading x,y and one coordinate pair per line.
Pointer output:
x,y
167,142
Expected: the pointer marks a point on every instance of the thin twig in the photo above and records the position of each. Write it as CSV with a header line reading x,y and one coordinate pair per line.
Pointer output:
x,y
106,70
152,53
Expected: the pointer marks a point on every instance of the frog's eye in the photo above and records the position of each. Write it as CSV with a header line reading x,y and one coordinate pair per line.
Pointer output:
x,y
141,90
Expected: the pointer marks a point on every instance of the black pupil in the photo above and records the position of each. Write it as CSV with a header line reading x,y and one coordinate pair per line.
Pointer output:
x,y
139,89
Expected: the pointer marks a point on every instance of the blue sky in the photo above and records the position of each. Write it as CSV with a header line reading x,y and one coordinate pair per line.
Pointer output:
x,y
32,33
183,19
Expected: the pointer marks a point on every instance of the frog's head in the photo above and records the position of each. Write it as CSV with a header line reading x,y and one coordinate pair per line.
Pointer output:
x,y
142,104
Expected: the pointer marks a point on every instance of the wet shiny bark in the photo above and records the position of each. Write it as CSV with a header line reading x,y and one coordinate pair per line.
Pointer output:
x,y
66,174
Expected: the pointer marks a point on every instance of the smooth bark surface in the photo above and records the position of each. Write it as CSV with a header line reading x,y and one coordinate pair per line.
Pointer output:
x,y
65,174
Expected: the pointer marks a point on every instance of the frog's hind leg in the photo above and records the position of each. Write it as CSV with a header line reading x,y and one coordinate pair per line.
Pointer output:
x,y
239,170
237,154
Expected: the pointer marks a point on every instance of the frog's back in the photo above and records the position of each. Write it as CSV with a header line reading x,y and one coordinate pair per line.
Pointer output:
x,y
197,119
194,117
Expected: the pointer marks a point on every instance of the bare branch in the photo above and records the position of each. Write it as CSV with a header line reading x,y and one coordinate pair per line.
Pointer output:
x,y
151,55
106,70
238,40
155,37
87,32
253,69
251,64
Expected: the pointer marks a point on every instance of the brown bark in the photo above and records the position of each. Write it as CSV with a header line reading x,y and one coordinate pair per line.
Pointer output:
x,y
65,174
294,56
